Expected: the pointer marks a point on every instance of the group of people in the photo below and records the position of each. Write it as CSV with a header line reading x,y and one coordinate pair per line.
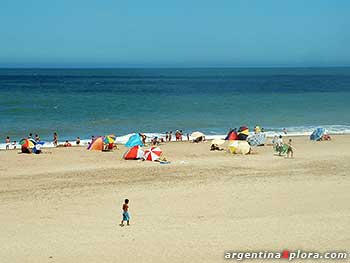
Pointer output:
x,y
281,147
178,136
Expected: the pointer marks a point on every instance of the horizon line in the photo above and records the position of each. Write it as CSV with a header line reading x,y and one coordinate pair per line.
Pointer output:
x,y
167,67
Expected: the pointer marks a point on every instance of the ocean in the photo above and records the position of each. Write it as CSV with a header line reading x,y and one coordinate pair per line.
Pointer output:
x,y
86,102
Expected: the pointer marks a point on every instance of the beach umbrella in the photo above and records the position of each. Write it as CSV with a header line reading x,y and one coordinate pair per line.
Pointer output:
x,y
27,143
218,141
134,153
134,140
243,133
231,136
317,134
97,144
109,139
197,134
152,154
257,139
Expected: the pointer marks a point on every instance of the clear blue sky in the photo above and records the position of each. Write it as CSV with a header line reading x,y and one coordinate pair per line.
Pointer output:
x,y
161,33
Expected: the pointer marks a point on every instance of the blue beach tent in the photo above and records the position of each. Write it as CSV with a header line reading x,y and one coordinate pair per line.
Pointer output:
x,y
134,140
317,134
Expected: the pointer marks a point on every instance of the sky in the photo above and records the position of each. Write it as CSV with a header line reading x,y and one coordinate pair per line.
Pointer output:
x,y
178,33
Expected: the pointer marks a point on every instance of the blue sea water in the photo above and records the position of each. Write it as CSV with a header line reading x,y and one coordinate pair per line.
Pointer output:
x,y
85,102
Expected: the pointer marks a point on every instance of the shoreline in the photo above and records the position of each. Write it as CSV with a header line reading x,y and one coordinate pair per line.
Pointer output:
x,y
121,140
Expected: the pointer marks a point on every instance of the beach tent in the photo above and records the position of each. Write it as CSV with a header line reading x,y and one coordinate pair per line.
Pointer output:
x,y
231,136
257,139
317,134
243,133
134,140
134,153
97,144
152,154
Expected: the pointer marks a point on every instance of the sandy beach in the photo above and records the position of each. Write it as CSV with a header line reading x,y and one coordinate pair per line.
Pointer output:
x,y
65,205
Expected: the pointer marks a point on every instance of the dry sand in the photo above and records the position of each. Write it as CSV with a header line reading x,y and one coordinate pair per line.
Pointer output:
x,y
65,206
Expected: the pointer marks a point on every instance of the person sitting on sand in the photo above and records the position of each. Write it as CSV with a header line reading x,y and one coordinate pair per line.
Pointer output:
x,y
67,144
126,216
14,144
326,137
37,148
199,139
290,149
77,141
25,150
155,141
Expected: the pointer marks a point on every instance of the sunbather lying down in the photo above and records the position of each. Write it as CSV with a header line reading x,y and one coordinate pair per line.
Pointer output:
x,y
215,147
163,159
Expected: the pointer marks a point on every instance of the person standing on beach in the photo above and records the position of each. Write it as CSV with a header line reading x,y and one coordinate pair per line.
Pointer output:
x,y
290,149
7,142
166,136
177,135
170,135
126,216
280,145
30,135
37,138
55,139
77,141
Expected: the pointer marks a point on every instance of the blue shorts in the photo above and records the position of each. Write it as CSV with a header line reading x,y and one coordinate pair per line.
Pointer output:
x,y
126,216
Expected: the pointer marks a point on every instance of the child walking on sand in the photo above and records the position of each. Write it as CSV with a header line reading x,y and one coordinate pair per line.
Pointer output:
x,y
126,216
290,149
